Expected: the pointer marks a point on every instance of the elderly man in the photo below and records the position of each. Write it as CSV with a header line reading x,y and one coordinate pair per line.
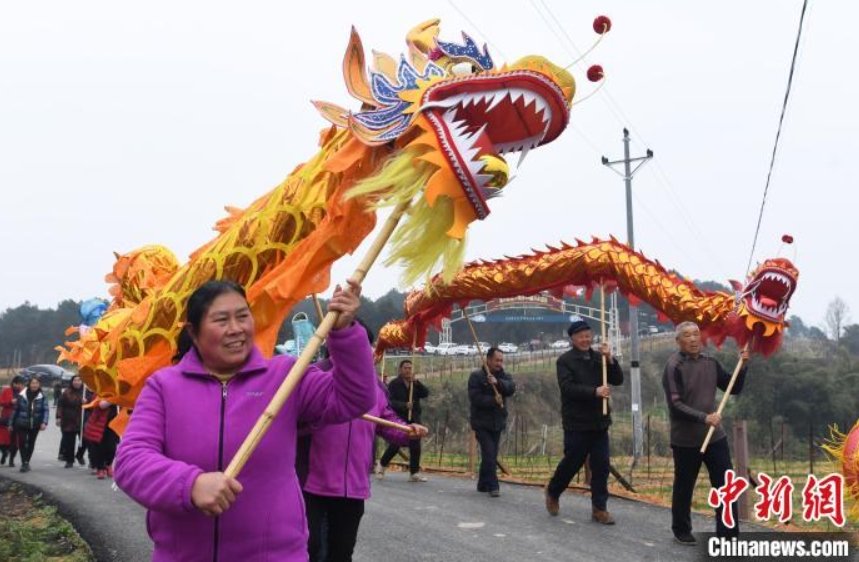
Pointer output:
x,y
585,425
690,380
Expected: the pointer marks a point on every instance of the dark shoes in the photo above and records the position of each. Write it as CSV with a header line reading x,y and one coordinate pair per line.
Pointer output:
x,y
25,467
686,539
602,517
494,493
552,505
69,464
80,457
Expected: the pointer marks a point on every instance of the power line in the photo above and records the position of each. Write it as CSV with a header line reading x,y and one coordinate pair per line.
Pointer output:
x,y
474,26
778,134
614,107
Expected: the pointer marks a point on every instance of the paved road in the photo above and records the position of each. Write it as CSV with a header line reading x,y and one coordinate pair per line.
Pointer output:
x,y
441,520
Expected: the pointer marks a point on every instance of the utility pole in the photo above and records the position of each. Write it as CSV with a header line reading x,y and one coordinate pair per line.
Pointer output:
x,y
634,371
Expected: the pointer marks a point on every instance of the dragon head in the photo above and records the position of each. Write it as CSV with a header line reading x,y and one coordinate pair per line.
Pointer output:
x,y
457,111
762,305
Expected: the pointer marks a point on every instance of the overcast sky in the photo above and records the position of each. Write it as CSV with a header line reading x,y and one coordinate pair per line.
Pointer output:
x,y
123,125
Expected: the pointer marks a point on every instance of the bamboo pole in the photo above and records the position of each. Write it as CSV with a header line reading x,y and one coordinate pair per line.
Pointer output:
x,y
724,400
498,398
296,373
602,342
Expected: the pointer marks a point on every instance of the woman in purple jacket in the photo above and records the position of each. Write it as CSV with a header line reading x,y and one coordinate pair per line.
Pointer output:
x,y
191,419
337,460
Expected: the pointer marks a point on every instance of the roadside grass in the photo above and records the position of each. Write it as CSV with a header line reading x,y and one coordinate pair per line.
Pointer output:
x,y
32,531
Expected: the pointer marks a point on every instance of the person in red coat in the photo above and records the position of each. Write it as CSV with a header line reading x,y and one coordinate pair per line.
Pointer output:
x,y
8,401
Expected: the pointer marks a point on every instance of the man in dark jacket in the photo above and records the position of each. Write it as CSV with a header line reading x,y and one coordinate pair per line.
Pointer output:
x,y
488,394
585,425
404,395
690,380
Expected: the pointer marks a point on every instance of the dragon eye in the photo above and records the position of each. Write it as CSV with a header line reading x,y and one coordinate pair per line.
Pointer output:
x,y
462,69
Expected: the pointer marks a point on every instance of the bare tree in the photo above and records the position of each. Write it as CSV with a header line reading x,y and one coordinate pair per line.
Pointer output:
x,y
837,316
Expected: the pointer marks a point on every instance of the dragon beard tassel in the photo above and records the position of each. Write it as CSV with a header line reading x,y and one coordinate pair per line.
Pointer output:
x,y
421,244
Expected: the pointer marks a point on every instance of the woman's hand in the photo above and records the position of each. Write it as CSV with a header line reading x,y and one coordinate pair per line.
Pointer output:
x,y
43,427
346,302
214,492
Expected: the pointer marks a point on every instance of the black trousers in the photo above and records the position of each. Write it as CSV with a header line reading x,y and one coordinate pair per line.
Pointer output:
x,y
67,445
26,442
332,524
101,454
487,479
687,464
577,446
414,455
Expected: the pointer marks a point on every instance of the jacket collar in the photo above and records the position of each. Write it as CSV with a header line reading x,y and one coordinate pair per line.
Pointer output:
x,y
191,364
23,394
687,357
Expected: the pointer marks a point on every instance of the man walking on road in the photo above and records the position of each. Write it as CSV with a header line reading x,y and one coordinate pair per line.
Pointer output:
x,y
585,425
404,395
488,393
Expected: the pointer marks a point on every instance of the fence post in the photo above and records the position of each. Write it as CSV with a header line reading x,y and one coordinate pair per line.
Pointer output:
x,y
472,442
741,451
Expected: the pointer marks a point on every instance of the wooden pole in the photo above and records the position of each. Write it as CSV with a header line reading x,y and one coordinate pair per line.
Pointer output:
x,y
296,373
498,398
387,423
724,400
411,382
318,307
602,341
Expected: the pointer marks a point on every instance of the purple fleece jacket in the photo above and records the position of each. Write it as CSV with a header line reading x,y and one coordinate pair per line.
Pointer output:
x,y
341,455
186,422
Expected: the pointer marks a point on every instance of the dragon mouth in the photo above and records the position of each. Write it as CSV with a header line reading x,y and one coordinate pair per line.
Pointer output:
x,y
768,295
477,119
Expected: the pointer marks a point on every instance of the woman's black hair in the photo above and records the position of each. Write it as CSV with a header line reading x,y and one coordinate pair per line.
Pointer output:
x,y
17,379
370,335
198,305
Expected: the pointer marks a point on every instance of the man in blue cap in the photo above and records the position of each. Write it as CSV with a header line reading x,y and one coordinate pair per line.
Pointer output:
x,y
585,426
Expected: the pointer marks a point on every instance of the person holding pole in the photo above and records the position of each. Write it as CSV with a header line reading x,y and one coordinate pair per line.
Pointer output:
x,y
583,393
404,395
489,415
690,380
334,475
191,419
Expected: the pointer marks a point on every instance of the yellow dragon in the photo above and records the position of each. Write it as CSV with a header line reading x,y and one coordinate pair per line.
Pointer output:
x,y
432,126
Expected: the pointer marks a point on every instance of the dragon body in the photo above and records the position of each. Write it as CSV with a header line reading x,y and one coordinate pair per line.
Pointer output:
x,y
754,314
433,126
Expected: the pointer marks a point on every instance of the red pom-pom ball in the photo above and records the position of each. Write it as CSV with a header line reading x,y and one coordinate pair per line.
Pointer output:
x,y
787,239
602,24
595,73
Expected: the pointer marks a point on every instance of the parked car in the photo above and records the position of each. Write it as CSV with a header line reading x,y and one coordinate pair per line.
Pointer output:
x,y
429,349
560,344
47,372
446,348
462,350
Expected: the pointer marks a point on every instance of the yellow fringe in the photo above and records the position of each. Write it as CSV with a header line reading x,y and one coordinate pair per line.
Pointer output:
x,y
834,447
420,245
